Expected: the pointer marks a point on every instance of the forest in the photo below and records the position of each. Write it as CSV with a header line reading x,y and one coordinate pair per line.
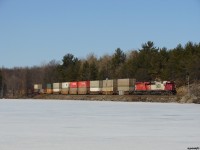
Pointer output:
x,y
145,64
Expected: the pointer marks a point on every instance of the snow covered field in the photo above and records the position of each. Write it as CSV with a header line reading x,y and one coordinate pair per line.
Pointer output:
x,y
93,125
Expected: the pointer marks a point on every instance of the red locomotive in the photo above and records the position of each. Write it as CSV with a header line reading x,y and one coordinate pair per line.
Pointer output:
x,y
155,87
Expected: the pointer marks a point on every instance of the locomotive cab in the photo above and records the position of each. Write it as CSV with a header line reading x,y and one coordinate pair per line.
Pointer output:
x,y
170,87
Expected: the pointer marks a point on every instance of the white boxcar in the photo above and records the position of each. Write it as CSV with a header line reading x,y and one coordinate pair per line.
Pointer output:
x,y
65,88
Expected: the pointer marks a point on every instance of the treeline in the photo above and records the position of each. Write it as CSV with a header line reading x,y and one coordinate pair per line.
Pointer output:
x,y
146,64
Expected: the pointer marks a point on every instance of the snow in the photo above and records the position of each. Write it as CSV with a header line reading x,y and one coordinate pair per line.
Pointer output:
x,y
95,125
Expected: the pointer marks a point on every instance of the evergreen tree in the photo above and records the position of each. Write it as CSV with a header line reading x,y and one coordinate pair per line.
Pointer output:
x,y
148,62
69,70
93,71
117,61
85,71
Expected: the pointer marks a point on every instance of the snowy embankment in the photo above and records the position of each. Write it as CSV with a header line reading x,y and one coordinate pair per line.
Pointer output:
x,y
123,98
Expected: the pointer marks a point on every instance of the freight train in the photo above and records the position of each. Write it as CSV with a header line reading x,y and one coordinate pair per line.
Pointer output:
x,y
108,87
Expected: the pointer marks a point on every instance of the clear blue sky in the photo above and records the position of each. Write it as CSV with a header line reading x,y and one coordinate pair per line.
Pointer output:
x,y
36,31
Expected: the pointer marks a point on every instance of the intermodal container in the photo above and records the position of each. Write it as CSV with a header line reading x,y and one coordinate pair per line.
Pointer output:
x,y
109,87
96,87
49,86
125,86
73,88
57,88
65,88
37,88
83,87
49,89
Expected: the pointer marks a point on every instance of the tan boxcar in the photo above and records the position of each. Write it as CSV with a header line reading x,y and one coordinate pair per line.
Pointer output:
x,y
37,88
125,86
57,88
96,87
109,87
65,88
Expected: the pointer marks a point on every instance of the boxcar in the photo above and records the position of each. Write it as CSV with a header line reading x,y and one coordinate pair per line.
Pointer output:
x,y
109,87
56,88
65,88
125,86
83,87
73,88
49,88
96,87
37,88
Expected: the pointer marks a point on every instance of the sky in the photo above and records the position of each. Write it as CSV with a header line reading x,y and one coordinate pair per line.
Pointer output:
x,y
34,32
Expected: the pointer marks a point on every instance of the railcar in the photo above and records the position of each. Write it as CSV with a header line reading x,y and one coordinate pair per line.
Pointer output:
x,y
125,86
155,88
57,88
109,87
83,87
73,88
37,88
96,87
65,88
